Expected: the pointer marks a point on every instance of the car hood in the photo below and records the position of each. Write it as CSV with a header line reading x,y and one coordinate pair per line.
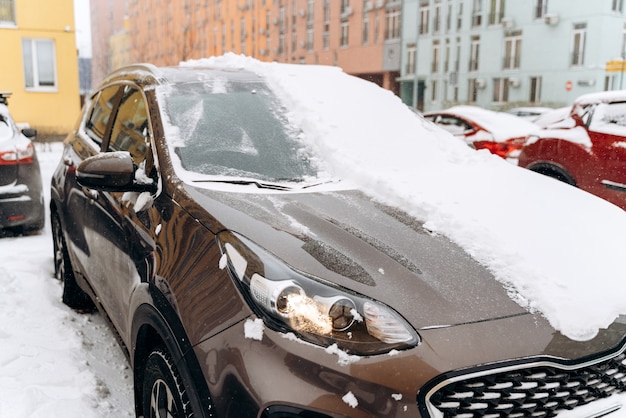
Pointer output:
x,y
379,251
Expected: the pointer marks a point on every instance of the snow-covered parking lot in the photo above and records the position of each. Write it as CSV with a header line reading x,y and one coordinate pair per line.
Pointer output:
x,y
54,362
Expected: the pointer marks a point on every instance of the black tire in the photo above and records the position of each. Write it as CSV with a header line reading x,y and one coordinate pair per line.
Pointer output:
x,y
73,295
163,394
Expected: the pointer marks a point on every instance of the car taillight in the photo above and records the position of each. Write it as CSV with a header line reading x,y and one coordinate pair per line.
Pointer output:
x,y
501,149
18,155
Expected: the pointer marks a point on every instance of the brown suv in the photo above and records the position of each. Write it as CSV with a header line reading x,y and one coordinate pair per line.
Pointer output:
x,y
243,283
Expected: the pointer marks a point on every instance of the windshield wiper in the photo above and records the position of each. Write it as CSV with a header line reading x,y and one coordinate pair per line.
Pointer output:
x,y
257,183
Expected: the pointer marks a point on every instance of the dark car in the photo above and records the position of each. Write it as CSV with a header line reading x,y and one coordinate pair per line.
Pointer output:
x,y
244,283
586,149
21,195
501,133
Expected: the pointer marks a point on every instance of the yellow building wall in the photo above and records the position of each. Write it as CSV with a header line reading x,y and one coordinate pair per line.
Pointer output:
x,y
50,112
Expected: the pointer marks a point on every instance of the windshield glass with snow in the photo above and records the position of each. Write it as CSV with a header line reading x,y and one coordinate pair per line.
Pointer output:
x,y
234,128
609,118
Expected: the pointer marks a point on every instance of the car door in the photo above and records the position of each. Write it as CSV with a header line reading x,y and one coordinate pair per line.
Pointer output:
x,y
122,242
607,131
81,213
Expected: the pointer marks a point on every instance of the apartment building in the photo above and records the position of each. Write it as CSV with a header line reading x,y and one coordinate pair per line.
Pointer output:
x,y
109,42
40,63
360,36
502,53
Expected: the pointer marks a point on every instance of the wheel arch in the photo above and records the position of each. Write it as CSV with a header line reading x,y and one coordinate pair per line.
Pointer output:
x,y
157,323
554,170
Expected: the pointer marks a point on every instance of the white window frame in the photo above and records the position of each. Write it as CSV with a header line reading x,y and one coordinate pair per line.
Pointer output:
x,y
345,31
474,54
411,59
8,6
500,90
578,45
435,56
541,8
496,11
393,20
512,52
424,20
535,89
30,45
477,13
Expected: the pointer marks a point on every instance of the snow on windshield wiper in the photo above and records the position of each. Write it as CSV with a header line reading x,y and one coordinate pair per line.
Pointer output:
x,y
257,183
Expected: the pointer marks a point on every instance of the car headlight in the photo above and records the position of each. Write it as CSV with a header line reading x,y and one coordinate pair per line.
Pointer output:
x,y
316,310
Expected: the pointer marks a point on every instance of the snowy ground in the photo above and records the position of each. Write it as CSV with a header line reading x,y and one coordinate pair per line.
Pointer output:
x,y
54,362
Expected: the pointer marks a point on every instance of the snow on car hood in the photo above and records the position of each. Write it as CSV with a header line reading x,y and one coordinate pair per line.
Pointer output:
x,y
381,252
556,249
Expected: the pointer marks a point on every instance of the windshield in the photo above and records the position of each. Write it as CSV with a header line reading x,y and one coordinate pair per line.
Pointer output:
x,y
6,128
235,128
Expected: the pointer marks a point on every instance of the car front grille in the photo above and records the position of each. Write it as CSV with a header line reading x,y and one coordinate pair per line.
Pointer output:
x,y
540,391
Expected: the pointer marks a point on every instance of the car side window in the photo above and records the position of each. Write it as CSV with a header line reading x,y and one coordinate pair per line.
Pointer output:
x,y
130,130
609,118
103,103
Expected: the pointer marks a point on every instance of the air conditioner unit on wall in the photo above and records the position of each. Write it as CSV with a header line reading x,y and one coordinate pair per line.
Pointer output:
x,y
480,83
514,82
507,23
551,18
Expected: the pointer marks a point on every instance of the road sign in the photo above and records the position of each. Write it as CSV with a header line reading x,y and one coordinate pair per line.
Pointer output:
x,y
568,85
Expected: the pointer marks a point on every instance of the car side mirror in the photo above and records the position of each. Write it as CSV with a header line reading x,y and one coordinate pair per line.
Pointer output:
x,y
29,133
110,172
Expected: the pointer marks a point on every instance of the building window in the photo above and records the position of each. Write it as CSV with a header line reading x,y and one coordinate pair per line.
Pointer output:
x,y
496,12
366,26
617,6
512,50
435,57
437,18
344,34
424,18
449,18
459,17
472,90
309,40
39,63
411,54
535,90
541,9
392,19
345,7
477,13
326,32
474,51
578,45
500,90
610,83
433,90
7,12
446,57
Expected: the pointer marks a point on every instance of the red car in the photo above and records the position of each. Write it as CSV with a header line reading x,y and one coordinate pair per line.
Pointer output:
x,y
587,149
501,133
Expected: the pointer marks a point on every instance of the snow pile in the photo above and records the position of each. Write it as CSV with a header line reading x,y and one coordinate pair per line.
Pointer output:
x,y
54,362
555,248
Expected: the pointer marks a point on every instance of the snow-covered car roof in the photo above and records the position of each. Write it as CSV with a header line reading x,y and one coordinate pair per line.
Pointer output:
x,y
601,97
502,125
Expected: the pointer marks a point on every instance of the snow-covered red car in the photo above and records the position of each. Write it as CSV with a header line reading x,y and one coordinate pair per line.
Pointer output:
x,y
587,149
501,133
